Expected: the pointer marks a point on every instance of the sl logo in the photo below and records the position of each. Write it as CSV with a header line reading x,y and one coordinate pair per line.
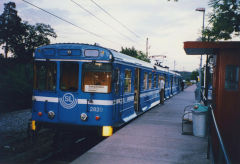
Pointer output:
x,y
68,101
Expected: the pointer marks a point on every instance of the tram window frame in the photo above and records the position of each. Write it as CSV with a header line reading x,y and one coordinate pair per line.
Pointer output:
x,y
49,76
96,85
69,81
150,81
231,81
127,81
145,81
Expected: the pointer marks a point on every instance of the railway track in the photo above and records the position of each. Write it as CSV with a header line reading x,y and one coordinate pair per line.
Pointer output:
x,y
48,148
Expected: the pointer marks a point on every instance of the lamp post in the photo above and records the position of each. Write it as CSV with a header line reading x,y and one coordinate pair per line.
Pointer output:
x,y
200,68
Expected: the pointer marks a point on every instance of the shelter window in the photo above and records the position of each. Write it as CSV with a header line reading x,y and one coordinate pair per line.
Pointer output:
x,y
150,81
127,81
231,77
69,76
97,77
145,80
45,75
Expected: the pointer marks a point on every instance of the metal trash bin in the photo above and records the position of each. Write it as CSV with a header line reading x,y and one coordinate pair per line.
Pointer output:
x,y
200,118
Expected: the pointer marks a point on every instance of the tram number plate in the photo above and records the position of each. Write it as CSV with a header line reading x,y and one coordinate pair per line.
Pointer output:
x,y
96,109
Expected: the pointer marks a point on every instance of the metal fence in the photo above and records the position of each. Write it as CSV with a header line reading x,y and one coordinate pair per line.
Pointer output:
x,y
226,157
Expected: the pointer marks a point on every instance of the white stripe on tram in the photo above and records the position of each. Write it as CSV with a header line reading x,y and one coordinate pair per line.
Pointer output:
x,y
43,98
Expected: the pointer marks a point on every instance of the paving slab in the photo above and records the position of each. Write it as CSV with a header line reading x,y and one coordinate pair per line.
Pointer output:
x,y
153,138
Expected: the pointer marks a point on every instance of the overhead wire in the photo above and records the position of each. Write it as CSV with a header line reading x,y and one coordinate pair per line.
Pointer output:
x,y
106,12
89,12
62,19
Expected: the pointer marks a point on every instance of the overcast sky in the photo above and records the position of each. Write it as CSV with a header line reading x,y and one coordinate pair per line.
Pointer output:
x,y
167,24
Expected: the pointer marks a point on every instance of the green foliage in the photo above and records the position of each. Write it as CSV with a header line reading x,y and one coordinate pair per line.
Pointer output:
x,y
194,75
224,20
185,75
134,53
15,85
33,37
20,37
10,26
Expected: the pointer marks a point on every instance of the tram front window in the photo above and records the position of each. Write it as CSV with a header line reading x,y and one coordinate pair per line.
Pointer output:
x,y
45,74
69,76
97,77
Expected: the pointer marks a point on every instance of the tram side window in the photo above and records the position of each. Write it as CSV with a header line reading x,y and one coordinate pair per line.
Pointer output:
x,y
150,81
145,80
155,81
69,76
127,81
166,82
117,78
97,77
45,75
231,77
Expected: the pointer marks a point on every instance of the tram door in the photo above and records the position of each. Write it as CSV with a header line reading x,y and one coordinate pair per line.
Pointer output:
x,y
68,95
118,93
136,89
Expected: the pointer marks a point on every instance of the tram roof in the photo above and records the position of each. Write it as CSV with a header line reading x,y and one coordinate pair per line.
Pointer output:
x,y
128,59
39,54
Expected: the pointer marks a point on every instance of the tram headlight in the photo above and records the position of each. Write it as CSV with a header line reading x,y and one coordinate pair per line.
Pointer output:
x,y
84,116
51,115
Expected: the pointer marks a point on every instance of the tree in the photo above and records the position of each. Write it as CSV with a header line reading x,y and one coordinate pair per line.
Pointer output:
x,y
194,75
134,53
19,37
16,74
10,26
224,20
33,37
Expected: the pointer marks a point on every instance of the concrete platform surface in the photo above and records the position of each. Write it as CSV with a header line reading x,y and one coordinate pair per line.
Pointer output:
x,y
153,138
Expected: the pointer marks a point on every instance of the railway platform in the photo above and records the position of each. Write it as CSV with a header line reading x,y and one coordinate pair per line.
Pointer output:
x,y
153,138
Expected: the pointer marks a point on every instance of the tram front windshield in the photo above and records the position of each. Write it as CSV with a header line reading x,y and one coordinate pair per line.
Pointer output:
x,y
69,76
45,75
97,77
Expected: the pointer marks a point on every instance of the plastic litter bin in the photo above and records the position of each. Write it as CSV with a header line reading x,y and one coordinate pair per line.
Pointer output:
x,y
200,117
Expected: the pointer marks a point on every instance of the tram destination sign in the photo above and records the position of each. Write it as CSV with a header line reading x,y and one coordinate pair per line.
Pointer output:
x,y
96,88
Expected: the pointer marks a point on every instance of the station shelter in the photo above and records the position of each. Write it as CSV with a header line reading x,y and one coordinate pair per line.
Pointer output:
x,y
223,59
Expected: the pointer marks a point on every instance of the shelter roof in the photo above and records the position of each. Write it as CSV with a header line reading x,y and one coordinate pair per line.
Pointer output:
x,y
202,48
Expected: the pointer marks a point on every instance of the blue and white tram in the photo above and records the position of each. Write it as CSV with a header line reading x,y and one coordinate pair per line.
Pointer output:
x,y
94,87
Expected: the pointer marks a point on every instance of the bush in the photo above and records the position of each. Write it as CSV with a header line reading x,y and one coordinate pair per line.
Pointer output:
x,y
15,85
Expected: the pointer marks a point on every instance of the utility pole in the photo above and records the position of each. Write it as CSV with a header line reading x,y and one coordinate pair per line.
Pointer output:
x,y
174,65
200,67
147,47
